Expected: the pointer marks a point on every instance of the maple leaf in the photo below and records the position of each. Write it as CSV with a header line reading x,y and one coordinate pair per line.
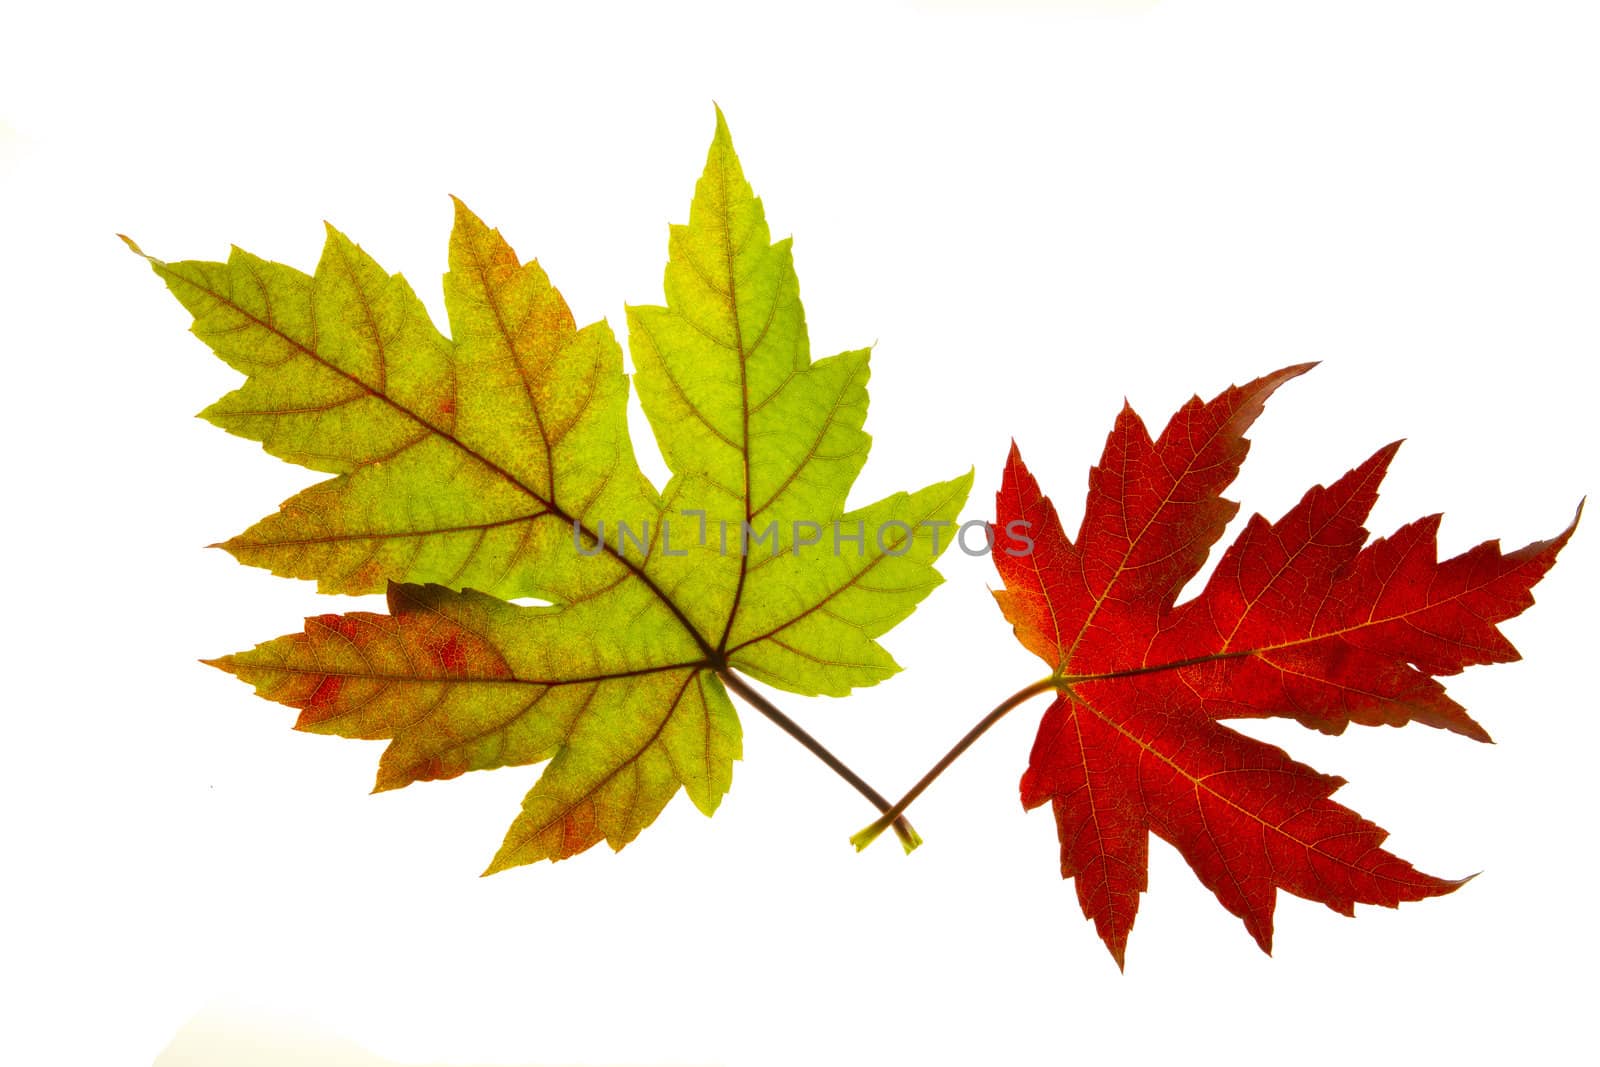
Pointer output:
x,y
1301,619
495,464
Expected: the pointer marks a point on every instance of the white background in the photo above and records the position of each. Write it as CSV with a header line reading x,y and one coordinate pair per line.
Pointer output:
x,y
1034,212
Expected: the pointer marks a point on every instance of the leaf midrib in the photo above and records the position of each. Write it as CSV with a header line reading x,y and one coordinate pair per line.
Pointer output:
x,y
1264,650
366,535
455,679
728,255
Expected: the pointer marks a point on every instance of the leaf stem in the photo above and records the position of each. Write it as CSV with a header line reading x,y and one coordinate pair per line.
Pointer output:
x,y
865,837
909,838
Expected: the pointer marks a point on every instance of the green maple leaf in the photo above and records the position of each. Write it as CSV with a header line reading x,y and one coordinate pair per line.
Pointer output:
x,y
495,464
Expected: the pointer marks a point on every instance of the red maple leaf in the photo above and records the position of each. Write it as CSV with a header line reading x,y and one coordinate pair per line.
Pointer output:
x,y
1302,619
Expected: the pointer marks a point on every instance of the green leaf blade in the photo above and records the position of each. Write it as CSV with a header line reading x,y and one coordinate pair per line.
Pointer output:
x,y
496,464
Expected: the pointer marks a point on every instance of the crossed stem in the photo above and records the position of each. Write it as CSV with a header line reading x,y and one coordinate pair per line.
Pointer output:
x,y
909,838
865,837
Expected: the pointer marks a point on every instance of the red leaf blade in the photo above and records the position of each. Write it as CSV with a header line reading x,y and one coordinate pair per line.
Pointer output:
x,y
1303,619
